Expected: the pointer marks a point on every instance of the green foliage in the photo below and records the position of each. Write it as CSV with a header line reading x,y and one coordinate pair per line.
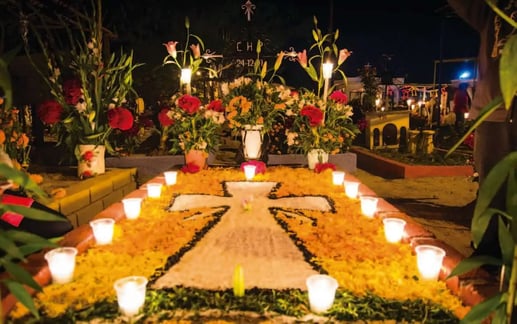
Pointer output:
x,y
16,245
502,176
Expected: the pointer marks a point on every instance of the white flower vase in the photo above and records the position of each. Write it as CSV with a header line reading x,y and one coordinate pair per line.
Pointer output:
x,y
316,156
90,160
252,139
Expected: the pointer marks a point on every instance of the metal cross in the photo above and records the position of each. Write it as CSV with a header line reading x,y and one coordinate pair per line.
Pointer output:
x,y
248,8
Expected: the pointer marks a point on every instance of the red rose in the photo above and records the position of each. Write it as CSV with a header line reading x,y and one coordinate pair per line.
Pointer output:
x,y
320,167
216,105
190,168
260,167
164,119
120,118
189,104
49,112
87,156
72,90
339,97
314,114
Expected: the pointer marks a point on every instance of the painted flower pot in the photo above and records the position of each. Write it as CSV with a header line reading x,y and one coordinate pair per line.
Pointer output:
x,y
197,157
90,160
252,139
316,156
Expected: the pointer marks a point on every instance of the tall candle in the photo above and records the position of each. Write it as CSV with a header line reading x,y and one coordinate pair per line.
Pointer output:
x,y
61,263
186,75
130,294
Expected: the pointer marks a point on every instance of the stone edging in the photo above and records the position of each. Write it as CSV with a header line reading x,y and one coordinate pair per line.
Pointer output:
x,y
465,286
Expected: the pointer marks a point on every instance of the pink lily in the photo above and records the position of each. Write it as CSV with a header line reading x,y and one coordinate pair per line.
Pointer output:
x,y
171,48
343,55
196,50
302,58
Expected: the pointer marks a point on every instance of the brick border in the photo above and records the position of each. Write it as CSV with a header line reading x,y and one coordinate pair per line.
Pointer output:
x,y
465,286
391,169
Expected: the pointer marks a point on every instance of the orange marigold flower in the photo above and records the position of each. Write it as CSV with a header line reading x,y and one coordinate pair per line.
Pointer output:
x,y
260,120
23,141
2,137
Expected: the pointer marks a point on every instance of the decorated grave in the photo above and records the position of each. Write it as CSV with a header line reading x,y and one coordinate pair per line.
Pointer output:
x,y
275,230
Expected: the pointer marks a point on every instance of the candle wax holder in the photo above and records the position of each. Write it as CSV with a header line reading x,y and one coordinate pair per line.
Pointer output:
x,y
338,177
170,177
369,205
130,294
103,230
61,263
351,189
429,261
132,207
154,190
322,291
394,229
249,171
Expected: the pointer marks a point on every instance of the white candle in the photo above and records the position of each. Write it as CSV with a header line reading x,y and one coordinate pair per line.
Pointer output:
x,y
132,207
154,190
429,261
130,294
61,263
186,75
351,188
394,229
249,171
103,230
369,205
338,177
466,115
322,291
170,177
327,74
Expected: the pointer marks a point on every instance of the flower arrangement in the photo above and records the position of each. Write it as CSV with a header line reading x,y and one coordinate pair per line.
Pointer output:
x,y
90,91
187,124
253,102
319,124
13,140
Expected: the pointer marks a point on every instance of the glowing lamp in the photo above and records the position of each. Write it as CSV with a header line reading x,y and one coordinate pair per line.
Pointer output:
x,y
130,294
369,205
338,177
170,177
61,263
132,207
394,229
351,188
103,230
154,190
322,291
429,261
249,171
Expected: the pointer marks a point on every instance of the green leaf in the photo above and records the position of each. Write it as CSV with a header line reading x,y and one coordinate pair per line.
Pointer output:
x,y
22,296
511,192
480,222
482,310
312,72
315,35
505,242
472,263
10,248
507,65
26,237
21,275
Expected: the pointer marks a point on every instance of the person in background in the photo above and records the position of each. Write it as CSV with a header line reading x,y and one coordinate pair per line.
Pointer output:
x,y
496,137
461,105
